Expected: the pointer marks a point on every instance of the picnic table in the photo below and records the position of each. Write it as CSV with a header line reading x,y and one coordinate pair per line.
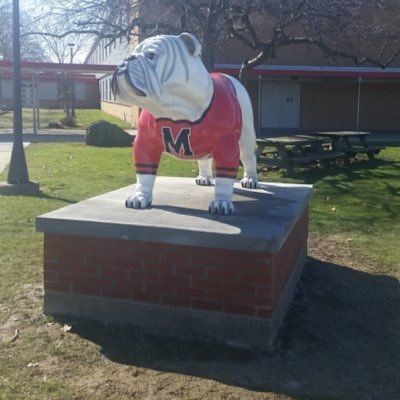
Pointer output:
x,y
351,143
289,151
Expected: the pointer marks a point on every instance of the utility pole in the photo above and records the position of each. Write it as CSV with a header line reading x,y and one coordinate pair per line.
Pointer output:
x,y
18,178
72,88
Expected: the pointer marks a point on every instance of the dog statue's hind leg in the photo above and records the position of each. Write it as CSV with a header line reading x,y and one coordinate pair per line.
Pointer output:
x,y
249,161
247,142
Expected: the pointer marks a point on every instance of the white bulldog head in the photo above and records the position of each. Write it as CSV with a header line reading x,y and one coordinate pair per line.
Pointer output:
x,y
165,75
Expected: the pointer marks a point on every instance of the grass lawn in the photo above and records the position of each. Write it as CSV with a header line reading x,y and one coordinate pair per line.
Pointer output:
x,y
84,118
341,339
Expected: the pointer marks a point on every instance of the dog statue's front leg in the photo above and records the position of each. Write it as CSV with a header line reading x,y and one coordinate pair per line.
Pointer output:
x,y
205,177
143,195
222,204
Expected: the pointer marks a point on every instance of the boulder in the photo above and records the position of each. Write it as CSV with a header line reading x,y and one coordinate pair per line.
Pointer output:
x,y
105,134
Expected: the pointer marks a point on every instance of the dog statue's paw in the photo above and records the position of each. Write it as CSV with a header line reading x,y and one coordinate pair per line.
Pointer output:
x,y
204,181
249,183
137,201
221,207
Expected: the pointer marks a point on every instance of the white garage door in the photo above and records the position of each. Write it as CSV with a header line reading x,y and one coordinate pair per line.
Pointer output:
x,y
280,105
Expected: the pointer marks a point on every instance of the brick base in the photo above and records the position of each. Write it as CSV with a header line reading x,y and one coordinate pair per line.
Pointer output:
x,y
196,279
176,269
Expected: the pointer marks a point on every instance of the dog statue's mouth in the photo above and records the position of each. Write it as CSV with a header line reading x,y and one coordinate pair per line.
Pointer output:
x,y
123,70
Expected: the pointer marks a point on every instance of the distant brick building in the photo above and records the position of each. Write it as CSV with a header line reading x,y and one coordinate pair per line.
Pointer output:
x,y
44,83
297,91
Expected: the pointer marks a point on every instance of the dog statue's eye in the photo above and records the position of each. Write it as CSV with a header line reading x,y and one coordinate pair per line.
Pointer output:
x,y
151,55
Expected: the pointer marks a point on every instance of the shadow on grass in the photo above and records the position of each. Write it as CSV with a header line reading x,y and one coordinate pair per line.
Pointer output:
x,y
340,341
357,170
38,195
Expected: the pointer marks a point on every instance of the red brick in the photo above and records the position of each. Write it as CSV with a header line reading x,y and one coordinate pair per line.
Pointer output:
x,y
253,300
106,250
191,293
238,261
90,251
190,270
144,276
49,254
265,290
161,288
86,288
221,296
222,275
95,259
176,301
148,257
123,251
238,287
209,259
78,279
175,280
134,264
207,284
255,278
50,276
239,309
82,270
69,256
207,305
54,266
237,266
158,267
114,273
128,285
177,257
59,286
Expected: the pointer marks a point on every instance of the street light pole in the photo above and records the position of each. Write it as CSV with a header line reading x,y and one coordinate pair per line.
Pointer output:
x,y
18,170
71,54
72,91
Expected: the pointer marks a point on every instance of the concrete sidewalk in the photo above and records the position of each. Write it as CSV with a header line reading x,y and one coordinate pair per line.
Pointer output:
x,y
45,136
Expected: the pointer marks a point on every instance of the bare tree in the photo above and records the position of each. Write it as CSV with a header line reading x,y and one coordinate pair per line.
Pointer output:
x,y
31,48
363,32
112,19
66,49
360,31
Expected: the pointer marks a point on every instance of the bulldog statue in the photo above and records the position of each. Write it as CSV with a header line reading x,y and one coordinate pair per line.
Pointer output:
x,y
189,114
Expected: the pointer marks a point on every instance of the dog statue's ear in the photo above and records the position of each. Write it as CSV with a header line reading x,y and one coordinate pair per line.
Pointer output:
x,y
192,44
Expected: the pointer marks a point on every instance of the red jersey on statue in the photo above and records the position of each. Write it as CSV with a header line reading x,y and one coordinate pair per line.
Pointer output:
x,y
215,134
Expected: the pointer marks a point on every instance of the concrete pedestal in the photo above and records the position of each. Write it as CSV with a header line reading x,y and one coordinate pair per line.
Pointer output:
x,y
175,268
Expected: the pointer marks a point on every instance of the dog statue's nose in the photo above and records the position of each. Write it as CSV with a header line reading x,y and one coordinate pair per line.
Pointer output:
x,y
130,58
114,85
121,68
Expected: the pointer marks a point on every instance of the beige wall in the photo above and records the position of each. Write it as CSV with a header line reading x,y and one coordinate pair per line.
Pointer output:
x,y
127,114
